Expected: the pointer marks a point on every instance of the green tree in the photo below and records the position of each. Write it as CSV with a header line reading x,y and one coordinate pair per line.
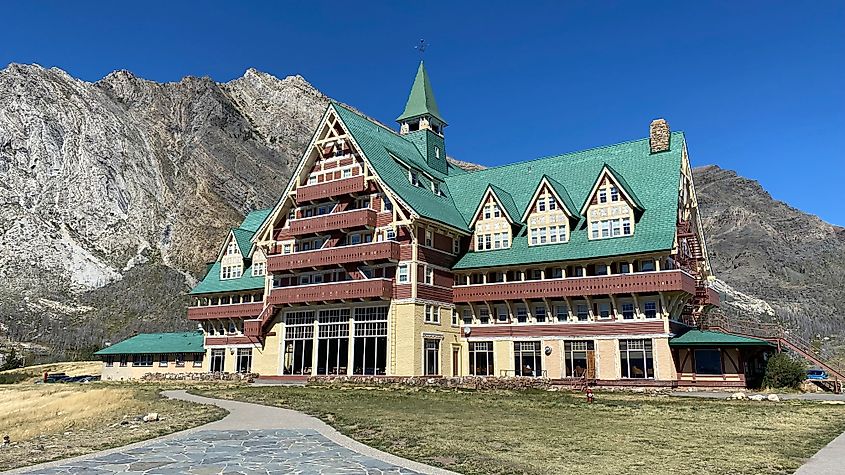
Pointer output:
x,y
13,360
782,371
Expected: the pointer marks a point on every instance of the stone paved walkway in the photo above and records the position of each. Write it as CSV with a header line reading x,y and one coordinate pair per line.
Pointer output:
x,y
252,439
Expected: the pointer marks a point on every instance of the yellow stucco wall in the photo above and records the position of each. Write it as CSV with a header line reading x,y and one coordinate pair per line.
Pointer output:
x,y
121,373
664,366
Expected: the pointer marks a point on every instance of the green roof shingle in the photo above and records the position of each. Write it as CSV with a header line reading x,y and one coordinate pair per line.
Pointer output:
x,y
184,342
711,338
421,100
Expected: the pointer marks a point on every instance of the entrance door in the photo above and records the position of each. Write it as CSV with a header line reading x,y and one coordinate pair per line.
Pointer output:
x,y
591,364
218,357
456,361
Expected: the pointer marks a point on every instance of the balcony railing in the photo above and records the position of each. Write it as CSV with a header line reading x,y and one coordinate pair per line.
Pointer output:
x,y
252,328
374,251
237,310
334,221
663,281
346,290
344,186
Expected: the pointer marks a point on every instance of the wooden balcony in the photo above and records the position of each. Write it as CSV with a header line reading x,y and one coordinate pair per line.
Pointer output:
x,y
373,251
712,297
347,290
253,328
358,218
664,281
330,189
238,310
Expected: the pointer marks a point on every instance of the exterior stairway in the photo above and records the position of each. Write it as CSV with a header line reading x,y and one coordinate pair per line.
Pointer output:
x,y
776,334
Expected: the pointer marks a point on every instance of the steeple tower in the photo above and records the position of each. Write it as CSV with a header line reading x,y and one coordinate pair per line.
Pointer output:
x,y
422,124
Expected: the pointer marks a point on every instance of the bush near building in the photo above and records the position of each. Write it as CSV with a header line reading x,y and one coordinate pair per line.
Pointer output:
x,y
783,371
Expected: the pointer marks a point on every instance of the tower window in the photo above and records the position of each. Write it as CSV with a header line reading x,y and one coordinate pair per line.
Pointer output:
x,y
437,152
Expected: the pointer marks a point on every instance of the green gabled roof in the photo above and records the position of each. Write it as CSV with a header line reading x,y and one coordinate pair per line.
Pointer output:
x,y
184,342
421,100
714,338
212,283
506,200
563,194
383,148
254,219
654,179
243,238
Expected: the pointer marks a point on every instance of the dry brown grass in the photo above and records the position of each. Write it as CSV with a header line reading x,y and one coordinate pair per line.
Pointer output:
x,y
71,368
52,421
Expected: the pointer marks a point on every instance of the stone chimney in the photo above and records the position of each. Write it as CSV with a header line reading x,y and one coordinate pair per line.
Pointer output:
x,y
658,136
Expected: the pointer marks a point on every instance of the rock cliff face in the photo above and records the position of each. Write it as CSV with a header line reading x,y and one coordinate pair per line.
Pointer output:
x,y
114,194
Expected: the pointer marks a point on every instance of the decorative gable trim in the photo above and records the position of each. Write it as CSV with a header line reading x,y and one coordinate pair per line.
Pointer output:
x,y
565,202
229,238
621,184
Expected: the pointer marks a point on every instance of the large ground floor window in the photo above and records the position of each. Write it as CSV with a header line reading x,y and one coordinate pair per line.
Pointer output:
x,y
637,359
243,363
528,361
708,361
580,358
481,358
431,365
299,343
333,341
370,341
218,359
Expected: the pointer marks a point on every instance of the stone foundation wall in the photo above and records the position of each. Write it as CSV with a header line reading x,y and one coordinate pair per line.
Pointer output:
x,y
248,377
463,382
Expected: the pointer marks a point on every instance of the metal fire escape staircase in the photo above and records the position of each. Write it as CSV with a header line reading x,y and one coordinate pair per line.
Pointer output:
x,y
690,258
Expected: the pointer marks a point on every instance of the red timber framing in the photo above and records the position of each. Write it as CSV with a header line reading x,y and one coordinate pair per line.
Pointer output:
x,y
661,281
334,222
346,290
331,189
650,327
363,253
209,312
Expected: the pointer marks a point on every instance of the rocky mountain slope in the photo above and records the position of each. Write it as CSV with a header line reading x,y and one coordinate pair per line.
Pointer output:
x,y
114,194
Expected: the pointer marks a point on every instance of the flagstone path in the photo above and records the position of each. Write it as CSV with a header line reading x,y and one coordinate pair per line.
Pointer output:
x,y
252,439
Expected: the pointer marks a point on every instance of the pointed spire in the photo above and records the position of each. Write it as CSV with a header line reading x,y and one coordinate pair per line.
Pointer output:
x,y
421,101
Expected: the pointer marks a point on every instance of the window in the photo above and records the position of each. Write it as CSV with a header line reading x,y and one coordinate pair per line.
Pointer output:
x,y
386,205
346,173
243,362
429,238
232,248
603,196
429,275
540,314
467,317
502,314
497,213
231,272
541,205
626,226
110,360
484,316
604,310
414,178
521,314
636,358
535,233
606,228
481,358
624,268
582,312
627,311
436,152
455,319
218,359
286,249
708,361
402,274
552,203
561,313
312,180
432,356
198,357
259,268
390,234
456,246
124,360
162,360
650,309
614,194
578,356
432,314
601,269
647,266
145,359
487,211
180,360
488,241
527,358
435,188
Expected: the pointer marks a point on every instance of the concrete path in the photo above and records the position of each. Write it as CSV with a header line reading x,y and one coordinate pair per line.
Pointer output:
x,y
252,439
830,460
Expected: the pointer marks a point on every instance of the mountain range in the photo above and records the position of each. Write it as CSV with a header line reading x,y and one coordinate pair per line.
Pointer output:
x,y
115,194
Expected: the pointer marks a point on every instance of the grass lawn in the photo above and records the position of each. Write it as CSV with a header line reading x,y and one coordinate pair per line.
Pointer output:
x,y
557,432
52,421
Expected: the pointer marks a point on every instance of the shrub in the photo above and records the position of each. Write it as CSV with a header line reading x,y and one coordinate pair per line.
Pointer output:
x,y
13,378
782,371
12,360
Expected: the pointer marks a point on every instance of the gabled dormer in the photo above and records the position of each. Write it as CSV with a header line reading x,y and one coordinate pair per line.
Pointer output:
x,y
611,207
550,214
232,254
494,220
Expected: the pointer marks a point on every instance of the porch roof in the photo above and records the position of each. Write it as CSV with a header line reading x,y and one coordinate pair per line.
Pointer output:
x,y
714,338
182,342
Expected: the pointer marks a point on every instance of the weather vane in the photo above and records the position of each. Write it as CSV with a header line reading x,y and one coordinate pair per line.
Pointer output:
x,y
421,47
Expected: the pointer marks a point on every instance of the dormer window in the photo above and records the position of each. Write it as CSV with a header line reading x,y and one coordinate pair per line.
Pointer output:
x,y
437,150
552,203
232,248
611,207
230,272
614,193
259,269
603,195
414,178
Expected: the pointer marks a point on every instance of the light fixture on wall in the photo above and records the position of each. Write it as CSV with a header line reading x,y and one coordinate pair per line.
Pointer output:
x,y
548,350
467,331
231,351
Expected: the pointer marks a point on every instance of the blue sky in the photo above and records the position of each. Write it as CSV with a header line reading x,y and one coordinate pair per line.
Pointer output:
x,y
759,87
